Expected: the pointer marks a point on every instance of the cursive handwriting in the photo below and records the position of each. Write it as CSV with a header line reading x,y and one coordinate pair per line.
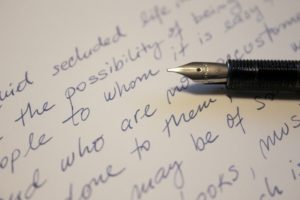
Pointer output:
x,y
73,60
242,16
140,147
183,117
236,120
267,96
295,46
163,173
277,136
214,10
155,14
42,140
272,191
116,64
201,142
86,190
171,92
95,147
30,190
128,123
214,190
10,160
33,112
83,112
119,90
15,89
273,31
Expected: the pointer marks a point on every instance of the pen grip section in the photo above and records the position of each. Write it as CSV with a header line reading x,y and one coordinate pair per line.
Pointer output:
x,y
263,75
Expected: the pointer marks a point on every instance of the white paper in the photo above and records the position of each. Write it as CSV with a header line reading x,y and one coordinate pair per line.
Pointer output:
x,y
88,110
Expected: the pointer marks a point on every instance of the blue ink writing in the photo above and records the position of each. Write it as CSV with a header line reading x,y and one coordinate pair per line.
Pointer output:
x,y
128,123
183,117
14,89
163,173
95,147
33,112
200,143
119,90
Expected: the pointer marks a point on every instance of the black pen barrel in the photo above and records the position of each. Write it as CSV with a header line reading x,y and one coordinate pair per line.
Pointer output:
x,y
263,75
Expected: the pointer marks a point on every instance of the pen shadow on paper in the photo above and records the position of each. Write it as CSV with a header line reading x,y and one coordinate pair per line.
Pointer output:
x,y
216,89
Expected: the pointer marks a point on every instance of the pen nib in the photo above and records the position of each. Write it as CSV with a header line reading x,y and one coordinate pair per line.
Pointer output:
x,y
176,69
203,72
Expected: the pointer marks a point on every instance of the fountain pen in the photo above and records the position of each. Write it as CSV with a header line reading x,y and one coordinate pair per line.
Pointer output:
x,y
245,74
